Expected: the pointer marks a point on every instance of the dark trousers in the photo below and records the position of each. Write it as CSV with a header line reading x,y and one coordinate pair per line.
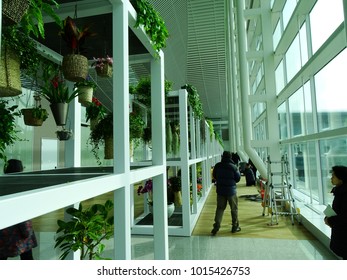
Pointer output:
x,y
28,255
221,205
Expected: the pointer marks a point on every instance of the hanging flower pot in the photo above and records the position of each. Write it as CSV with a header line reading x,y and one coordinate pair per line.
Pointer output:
x,y
75,67
103,66
64,134
85,91
59,111
34,116
10,84
108,148
13,11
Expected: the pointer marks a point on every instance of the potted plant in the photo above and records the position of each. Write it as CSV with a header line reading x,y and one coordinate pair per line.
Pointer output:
x,y
103,66
174,184
57,94
86,231
86,89
95,111
152,23
137,126
8,135
102,134
74,65
148,189
64,134
34,116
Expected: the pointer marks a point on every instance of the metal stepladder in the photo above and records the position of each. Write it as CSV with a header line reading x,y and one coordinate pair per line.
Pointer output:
x,y
278,197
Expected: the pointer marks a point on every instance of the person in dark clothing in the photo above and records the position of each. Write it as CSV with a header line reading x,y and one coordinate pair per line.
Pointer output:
x,y
249,175
235,158
338,222
226,175
254,169
18,239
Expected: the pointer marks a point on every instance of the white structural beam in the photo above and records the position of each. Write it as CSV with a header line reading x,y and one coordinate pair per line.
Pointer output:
x,y
160,220
121,128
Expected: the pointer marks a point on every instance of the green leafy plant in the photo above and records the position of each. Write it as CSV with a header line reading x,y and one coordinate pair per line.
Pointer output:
x,y
103,130
39,113
137,126
32,22
8,128
88,82
152,23
86,230
142,91
194,100
95,110
56,90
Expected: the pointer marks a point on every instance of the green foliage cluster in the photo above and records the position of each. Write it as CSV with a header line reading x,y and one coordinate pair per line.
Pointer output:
x,y
142,91
86,230
137,126
102,130
39,113
194,100
8,135
152,22
32,22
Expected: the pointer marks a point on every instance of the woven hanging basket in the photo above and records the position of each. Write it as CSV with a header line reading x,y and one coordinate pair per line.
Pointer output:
x,y
85,95
106,71
75,67
13,11
29,119
10,84
108,148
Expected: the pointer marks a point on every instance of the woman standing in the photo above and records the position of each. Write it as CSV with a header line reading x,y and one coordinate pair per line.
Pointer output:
x,y
338,222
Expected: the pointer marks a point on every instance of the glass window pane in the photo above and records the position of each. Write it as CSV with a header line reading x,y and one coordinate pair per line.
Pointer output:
x,y
288,11
321,26
330,94
277,35
279,73
296,112
333,152
293,62
308,109
303,44
282,116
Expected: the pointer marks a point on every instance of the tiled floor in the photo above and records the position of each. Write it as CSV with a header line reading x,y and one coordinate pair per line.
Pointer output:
x,y
209,248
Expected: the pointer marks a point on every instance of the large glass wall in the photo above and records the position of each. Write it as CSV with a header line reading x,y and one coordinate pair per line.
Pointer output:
x,y
309,76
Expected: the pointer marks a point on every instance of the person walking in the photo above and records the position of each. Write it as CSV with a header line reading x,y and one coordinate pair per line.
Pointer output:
x,y
226,175
18,239
338,222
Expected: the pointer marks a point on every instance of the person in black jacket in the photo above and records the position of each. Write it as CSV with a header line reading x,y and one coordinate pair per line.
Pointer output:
x,y
226,175
338,222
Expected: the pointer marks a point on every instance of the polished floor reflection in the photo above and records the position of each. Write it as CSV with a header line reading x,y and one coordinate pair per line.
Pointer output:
x,y
208,248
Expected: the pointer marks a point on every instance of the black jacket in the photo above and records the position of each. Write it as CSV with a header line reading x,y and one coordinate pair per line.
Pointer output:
x,y
226,175
338,223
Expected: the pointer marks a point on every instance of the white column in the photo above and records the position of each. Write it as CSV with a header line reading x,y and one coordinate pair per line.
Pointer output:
x,y
160,223
122,234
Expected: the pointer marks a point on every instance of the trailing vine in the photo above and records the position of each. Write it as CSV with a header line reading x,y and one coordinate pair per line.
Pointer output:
x,y
152,23
194,100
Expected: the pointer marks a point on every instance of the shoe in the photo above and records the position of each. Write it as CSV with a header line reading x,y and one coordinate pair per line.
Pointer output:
x,y
235,229
214,231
